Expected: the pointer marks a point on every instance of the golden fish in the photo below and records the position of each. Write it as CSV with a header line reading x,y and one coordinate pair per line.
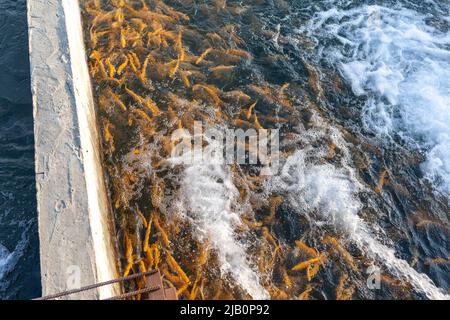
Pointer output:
x,y
238,95
142,267
176,268
147,234
156,255
182,289
212,91
132,63
437,261
143,219
123,40
343,293
117,100
305,294
135,96
171,12
96,55
203,56
148,15
221,70
136,60
185,78
128,254
174,70
142,114
107,135
381,181
257,124
151,105
162,232
240,53
112,69
139,24
304,248
144,67
343,253
248,114
304,264
122,66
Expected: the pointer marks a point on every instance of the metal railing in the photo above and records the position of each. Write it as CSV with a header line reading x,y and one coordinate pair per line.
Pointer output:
x,y
101,284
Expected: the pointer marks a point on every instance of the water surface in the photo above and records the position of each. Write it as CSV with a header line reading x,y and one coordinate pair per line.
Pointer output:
x,y
359,91
19,246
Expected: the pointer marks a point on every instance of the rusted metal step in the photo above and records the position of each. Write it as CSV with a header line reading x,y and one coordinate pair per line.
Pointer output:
x,y
155,281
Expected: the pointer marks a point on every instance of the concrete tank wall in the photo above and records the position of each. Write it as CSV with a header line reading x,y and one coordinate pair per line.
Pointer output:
x,y
77,243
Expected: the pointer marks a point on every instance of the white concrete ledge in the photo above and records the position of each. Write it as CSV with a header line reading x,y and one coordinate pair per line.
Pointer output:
x,y
77,243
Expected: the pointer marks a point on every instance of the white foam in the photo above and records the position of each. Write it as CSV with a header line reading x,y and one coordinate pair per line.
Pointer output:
x,y
8,260
319,188
402,66
4,261
331,195
209,195
398,267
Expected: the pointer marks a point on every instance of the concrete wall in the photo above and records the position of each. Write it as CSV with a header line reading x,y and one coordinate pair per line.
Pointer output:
x,y
77,243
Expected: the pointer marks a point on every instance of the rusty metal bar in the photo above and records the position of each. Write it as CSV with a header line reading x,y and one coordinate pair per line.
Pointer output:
x,y
134,293
94,286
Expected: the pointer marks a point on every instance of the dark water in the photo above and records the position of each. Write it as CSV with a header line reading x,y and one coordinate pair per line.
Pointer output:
x,y
365,164
379,127
19,258
387,37
383,35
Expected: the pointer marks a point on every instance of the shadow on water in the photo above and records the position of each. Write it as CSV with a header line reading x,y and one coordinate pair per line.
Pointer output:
x,y
19,257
